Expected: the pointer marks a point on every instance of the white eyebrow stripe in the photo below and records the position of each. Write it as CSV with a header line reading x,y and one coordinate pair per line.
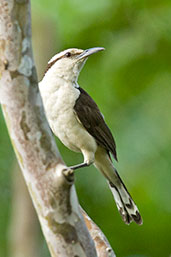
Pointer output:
x,y
61,54
56,57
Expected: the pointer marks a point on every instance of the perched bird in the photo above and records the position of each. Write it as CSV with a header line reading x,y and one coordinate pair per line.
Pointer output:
x,y
76,120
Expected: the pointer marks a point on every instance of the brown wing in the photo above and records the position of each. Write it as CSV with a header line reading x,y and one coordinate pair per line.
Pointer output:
x,y
91,118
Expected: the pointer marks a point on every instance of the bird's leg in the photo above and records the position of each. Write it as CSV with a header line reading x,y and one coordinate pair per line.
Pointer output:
x,y
88,160
81,165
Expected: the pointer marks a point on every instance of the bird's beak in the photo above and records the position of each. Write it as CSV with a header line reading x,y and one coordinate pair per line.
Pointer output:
x,y
86,53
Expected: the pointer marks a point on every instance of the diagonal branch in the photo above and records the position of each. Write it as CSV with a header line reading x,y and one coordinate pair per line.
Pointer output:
x,y
102,245
50,183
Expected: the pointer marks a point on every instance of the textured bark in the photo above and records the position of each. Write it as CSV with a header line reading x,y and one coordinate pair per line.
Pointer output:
x,y
102,245
50,183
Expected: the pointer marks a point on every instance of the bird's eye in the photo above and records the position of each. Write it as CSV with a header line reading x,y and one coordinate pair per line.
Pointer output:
x,y
68,54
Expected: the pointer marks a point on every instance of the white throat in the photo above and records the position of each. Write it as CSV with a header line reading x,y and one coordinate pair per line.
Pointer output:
x,y
64,71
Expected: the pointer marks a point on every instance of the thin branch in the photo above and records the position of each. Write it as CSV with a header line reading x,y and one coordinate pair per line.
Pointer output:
x,y
102,245
50,183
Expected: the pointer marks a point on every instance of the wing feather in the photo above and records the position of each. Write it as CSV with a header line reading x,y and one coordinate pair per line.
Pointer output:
x,y
89,115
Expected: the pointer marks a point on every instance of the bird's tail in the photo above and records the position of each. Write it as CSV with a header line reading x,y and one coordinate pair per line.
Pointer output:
x,y
124,201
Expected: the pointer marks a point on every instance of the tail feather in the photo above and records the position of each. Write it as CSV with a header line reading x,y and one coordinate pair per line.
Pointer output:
x,y
125,204
124,201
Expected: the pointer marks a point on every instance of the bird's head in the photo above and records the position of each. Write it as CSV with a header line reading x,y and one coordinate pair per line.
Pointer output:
x,y
68,63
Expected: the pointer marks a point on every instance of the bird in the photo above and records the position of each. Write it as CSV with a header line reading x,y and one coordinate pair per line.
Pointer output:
x,y
76,120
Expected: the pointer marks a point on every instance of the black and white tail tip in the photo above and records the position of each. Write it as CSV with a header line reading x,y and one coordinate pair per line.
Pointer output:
x,y
125,204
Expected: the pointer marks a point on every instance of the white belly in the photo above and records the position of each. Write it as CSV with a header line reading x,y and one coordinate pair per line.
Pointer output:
x,y
63,121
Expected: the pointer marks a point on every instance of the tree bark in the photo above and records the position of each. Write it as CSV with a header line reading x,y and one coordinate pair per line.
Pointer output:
x,y
49,181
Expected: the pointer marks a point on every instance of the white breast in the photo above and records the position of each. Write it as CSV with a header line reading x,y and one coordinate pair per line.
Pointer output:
x,y
59,107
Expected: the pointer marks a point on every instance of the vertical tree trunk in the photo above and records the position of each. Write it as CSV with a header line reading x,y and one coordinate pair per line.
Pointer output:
x,y
23,219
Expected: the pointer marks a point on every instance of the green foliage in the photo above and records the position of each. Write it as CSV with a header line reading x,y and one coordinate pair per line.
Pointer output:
x,y
130,81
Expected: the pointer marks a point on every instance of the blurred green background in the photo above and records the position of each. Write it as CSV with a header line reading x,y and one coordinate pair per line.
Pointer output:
x,y
131,82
